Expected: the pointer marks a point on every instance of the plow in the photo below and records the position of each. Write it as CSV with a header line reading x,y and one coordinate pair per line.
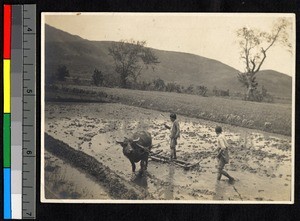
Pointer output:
x,y
158,156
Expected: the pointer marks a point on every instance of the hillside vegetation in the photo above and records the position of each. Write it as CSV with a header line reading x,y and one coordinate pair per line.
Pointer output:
x,y
81,57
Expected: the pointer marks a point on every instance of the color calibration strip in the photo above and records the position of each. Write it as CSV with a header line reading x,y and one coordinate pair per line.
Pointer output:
x,y
6,113
19,111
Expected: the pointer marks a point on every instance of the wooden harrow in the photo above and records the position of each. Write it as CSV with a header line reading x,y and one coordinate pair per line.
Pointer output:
x,y
158,157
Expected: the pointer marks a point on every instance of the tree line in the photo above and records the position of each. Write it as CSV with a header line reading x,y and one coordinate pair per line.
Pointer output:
x,y
132,57
101,79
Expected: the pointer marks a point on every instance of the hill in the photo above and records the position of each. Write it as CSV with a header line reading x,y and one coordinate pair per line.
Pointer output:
x,y
82,56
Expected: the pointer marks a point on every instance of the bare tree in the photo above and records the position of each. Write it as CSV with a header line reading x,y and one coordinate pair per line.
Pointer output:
x,y
254,46
130,58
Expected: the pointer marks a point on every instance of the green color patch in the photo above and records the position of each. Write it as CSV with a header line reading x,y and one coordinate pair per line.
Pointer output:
x,y
6,140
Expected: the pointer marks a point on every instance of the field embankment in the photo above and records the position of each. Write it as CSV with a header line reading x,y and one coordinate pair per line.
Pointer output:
x,y
116,186
275,118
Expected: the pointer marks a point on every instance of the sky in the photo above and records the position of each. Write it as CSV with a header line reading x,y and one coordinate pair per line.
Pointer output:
x,y
209,35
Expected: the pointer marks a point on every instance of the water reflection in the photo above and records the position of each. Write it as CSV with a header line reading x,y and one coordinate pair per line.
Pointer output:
x,y
141,180
220,190
62,181
169,185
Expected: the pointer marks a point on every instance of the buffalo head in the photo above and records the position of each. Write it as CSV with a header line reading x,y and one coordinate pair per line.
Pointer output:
x,y
137,148
128,144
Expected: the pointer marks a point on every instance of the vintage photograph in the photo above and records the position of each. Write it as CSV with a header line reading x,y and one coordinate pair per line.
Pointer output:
x,y
168,108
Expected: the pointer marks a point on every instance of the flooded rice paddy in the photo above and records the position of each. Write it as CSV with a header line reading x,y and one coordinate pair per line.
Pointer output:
x,y
260,162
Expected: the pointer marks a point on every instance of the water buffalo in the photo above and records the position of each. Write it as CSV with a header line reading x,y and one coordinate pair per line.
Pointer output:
x,y
137,148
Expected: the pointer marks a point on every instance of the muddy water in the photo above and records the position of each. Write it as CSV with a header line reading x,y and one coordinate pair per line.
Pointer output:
x,y
260,162
64,182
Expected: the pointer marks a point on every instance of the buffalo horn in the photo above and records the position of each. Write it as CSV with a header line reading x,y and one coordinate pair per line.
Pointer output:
x,y
136,140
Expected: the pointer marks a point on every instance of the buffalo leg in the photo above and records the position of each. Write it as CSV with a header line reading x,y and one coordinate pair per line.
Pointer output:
x,y
133,166
146,164
142,165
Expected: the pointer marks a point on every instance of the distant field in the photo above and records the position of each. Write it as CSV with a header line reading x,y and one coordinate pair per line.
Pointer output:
x,y
275,118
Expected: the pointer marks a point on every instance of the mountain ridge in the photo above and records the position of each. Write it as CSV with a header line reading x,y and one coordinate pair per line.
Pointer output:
x,y
82,56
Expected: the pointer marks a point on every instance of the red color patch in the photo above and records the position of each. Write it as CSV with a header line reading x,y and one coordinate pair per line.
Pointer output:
x,y
7,32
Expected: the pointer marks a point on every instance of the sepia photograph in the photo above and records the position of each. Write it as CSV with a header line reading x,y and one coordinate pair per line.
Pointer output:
x,y
168,108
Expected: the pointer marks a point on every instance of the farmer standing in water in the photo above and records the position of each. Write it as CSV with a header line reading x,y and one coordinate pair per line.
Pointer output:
x,y
175,134
222,154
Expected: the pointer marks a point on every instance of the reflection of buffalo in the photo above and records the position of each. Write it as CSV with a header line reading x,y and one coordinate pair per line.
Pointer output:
x,y
137,148
141,180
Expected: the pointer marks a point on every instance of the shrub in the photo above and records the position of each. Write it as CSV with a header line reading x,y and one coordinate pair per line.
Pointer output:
x,y
97,77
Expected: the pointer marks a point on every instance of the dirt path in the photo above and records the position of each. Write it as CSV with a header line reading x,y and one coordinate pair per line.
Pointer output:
x,y
260,161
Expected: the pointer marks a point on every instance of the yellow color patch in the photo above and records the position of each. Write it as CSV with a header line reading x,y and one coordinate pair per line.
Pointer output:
x,y
6,85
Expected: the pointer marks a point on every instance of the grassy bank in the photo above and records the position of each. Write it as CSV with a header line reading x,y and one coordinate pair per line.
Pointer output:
x,y
275,118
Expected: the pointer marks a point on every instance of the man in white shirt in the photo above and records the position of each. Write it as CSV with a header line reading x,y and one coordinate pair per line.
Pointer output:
x,y
175,134
222,155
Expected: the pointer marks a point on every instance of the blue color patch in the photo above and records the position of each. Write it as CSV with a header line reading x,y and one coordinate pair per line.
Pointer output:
x,y
7,193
